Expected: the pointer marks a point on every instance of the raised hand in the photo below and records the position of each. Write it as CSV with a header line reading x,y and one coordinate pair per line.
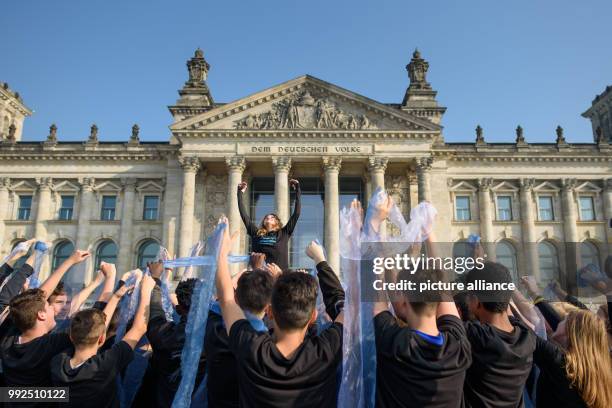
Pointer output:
x,y
156,269
530,285
107,269
257,260
274,270
315,252
78,256
242,186
148,283
123,290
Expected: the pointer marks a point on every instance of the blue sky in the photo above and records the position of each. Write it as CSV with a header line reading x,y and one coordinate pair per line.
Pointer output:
x,y
115,63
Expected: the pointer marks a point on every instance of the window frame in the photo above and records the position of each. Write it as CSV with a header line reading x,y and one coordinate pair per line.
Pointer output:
x,y
469,208
551,199
145,209
63,208
20,208
580,208
503,197
103,208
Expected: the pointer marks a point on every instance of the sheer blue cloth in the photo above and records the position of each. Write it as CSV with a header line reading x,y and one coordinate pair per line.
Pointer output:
x,y
41,250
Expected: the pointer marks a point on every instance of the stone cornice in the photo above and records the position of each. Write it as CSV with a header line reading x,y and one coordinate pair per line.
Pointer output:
x,y
247,135
15,103
79,151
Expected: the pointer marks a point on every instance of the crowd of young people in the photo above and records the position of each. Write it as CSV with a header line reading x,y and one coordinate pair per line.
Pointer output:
x,y
264,345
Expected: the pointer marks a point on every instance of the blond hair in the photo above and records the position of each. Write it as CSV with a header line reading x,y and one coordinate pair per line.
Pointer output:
x,y
587,360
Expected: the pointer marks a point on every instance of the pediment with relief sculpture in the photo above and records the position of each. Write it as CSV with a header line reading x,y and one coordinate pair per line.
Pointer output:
x,y
306,103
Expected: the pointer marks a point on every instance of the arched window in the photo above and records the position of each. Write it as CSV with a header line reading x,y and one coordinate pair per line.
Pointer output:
x,y
589,254
107,252
61,252
506,255
549,262
147,252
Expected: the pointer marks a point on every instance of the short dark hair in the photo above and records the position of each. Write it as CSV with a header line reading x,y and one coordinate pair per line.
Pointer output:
x,y
183,291
59,290
294,297
495,301
254,290
24,308
87,326
421,302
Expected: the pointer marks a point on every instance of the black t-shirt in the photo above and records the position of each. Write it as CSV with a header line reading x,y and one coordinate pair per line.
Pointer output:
x,y
222,381
501,363
553,389
28,364
93,383
414,372
273,244
267,379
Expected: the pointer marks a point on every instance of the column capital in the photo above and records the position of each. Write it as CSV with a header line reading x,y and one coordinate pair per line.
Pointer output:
x,y
281,163
484,184
568,184
526,184
236,163
377,163
332,163
129,183
5,183
424,163
87,183
190,164
45,183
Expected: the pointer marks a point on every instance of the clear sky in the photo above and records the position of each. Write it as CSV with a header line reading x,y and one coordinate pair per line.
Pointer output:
x,y
493,63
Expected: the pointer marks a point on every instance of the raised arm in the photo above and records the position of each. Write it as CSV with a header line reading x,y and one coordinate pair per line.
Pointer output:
x,y
7,268
331,288
49,285
110,272
225,290
296,209
15,285
244,214
112,303
82,296
551,316
139,327
156,305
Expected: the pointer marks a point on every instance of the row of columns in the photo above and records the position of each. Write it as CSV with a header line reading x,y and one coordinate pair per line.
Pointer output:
x,y
282,165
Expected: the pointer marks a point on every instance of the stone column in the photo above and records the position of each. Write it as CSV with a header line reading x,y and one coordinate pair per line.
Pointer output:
x,y
607,202
45,185
281,165
87,203
5,184
422,170
236,166
124,261
528,228
172,206
570,231
190,165
331,167
377,167
367,181
486,217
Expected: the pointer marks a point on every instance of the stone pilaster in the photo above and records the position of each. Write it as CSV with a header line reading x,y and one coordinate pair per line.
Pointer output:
x,y
172,200
45,186
331,167
124,260
281,165
528,227
87,203
5,184
423,168
570,230
235,166
607,201
486,216
190,166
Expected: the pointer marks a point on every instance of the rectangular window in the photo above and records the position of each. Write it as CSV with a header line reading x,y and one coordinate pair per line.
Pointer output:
x,y
65,212
462,208
25,207
504,208
587,210
545,207
150,208
108,208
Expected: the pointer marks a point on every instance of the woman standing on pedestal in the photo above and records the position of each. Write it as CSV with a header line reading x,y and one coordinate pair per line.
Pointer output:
x,y
271,237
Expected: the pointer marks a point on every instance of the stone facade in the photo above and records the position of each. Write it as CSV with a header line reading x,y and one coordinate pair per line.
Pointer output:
x,y
304,128
600,114
12,113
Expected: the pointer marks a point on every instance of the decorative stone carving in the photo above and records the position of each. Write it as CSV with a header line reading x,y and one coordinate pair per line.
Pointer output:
x,y
569,184
198,67
190,163
560,137
93,134
135,130
424,163
236,163
479,136
281,163
129,183
45,183
520,139
377,163
484,184
331,163
88,183
52,138
302,111
11,133
527,184
417,71
5,183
